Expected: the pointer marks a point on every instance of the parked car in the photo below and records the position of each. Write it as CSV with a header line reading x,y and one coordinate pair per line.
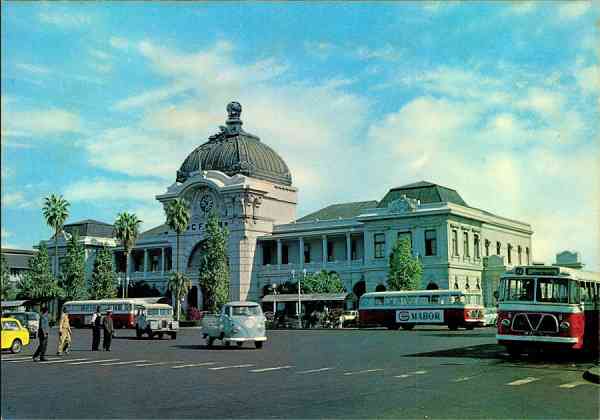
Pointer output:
x,y
155,319
29,320
14,335
238,322
490,316
349,318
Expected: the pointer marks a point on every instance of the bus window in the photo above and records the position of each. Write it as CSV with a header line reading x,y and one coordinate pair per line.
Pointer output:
x,y
422,300
435,299
552,290
584,292
378,301
574,296
519,289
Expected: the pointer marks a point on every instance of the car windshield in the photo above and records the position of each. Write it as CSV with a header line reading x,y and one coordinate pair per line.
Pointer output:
x,y
245,310
21,317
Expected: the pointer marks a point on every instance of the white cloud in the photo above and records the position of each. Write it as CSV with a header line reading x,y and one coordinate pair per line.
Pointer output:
x,y
546,103
100,189
319,49
33,123
15,200
99,54
64,19
119,42
35,70
588,79
151,215
151,97
387,53
573,9
521,7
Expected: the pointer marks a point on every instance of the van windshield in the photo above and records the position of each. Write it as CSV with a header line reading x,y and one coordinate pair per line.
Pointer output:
x,y
245,310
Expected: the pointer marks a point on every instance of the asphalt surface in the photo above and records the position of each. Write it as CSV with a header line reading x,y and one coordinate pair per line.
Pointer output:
x,y
424,373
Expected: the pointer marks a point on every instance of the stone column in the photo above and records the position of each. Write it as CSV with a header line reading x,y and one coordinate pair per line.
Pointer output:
x,y
324,242
162,261
145,261
301,251
365,246
348,248
278,251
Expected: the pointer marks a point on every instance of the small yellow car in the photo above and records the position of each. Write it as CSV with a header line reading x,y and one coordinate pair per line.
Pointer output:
x,y
14,336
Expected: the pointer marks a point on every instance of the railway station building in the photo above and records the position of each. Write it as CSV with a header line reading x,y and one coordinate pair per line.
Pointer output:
x,y
249,185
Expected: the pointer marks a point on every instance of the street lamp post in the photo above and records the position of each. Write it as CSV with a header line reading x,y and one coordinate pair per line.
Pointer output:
x,y
274,285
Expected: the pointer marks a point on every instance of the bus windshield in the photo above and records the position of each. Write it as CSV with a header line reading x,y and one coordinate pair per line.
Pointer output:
x,y
547,290
517,289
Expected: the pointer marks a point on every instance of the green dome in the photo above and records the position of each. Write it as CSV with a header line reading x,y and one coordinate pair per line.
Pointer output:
x,y
233,151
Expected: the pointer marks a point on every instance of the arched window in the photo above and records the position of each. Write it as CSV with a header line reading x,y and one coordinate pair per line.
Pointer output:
x,y
432,286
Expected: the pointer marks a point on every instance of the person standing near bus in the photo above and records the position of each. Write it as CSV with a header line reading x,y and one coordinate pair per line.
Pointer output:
x,y
96,327
43,333
108,326
64,333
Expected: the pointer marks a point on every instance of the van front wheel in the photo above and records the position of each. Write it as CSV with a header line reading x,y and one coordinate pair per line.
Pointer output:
x,y
258,344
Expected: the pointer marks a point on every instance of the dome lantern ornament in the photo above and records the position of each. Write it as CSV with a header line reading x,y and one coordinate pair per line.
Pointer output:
x,y
234,124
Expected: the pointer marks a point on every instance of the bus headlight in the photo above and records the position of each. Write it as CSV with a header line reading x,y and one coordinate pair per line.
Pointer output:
x,y
565,325
505,322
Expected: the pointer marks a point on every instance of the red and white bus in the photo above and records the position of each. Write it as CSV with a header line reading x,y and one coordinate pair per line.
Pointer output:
x,y
544,306
123,310
406,309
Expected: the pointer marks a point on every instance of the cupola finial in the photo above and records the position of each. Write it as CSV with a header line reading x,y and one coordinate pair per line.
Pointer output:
x,y
234,110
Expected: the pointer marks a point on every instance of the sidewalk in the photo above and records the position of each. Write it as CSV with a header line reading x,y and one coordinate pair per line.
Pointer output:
x,y
593,374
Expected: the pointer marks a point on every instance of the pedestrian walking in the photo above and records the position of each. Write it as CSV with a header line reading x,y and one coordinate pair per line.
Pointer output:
x,y
43,332
108,327
96,328
64,333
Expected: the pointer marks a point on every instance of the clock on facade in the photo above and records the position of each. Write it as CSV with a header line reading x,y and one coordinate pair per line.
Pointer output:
x,y
206,203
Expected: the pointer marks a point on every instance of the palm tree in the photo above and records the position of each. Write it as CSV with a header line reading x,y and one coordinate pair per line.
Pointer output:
x,y
56,212
179,285
178,219
127,230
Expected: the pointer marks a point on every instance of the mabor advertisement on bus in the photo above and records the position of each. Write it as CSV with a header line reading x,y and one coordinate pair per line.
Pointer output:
x,y
420,315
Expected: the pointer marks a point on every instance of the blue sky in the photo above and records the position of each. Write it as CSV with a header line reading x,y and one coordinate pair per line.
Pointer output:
x,y
101,102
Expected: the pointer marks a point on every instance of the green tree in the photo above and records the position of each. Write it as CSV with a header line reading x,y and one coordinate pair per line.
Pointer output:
x,y
178,219
9,291
179,285
322,282
214,267
56,212
104,278
405,270
38,282
127,229
72,279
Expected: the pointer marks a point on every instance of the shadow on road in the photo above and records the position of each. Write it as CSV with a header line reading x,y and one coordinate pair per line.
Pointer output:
x,y
495,351
214,347
460,334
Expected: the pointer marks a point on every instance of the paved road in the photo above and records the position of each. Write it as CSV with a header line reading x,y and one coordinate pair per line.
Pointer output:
x,y
424,373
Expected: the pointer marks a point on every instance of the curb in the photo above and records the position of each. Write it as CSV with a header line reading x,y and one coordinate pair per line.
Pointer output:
x,y
592,375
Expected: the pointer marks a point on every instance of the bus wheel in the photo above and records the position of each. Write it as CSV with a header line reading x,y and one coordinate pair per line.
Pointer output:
x,y
240,343
393,326
258,344
173,336
408,326
470,327
16,346
160,336
514,351
452,327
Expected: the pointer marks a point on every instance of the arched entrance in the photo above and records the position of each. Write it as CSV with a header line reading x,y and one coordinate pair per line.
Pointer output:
x,y
195,259
432,286
359,288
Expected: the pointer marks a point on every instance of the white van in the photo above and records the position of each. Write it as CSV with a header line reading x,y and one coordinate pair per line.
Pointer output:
x,y
155,319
